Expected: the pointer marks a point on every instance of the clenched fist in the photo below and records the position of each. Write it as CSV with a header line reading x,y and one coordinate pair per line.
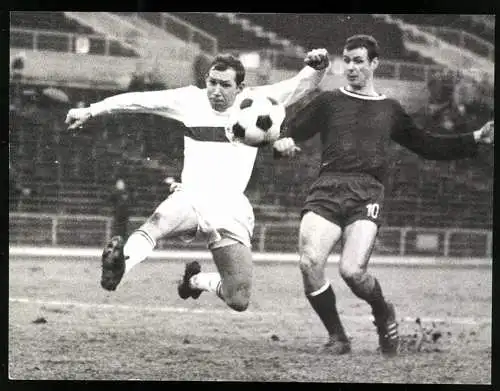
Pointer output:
x,y
286,147
317,59
486,135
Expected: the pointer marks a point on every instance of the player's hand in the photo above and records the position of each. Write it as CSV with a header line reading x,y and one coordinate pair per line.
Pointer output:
x,y
486,135
173,186
286,147
317,59
176,186
77,117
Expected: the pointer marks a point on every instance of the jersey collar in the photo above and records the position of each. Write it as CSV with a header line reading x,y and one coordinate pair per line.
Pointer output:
x,y
361,96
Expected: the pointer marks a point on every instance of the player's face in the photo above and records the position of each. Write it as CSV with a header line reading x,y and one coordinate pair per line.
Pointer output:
x,y
358,69
222,88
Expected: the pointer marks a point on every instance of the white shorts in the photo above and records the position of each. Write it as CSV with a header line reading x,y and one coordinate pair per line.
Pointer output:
x,y
221,219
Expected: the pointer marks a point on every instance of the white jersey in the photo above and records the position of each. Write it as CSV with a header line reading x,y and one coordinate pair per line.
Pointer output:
x,y
211,162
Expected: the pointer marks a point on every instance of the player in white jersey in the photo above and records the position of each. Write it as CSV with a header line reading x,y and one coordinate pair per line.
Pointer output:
x,y
210,200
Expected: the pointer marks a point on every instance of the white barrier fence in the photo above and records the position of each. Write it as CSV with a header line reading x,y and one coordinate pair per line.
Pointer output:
x,y
35,229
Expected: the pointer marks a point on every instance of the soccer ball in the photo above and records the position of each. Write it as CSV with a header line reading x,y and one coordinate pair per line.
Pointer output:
x,y
256,120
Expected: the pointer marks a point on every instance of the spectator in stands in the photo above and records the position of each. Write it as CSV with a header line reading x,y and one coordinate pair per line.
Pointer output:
x,y
200,68
441,88
137,83
457,102
16,190
442,112
265,68
17,66
485,92
464,92
138,79
121,200
154,81
447,122
16,74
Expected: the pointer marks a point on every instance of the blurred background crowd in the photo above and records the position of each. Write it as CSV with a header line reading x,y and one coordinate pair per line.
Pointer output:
x,y
53,170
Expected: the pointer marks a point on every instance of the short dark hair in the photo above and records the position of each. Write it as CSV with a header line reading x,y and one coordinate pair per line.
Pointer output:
x,y
363,41
228,61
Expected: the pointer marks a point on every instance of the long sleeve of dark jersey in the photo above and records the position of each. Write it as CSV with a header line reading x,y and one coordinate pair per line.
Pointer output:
x,y
305,118
431,145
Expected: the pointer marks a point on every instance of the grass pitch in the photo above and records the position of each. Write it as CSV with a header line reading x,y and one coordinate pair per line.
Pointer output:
x,y
64,326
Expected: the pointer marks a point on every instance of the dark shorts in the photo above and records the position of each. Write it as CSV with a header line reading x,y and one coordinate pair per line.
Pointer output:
x,y
344,198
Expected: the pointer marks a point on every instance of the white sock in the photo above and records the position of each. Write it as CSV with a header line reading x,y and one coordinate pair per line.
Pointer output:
x,y
210,282
138,247
320,290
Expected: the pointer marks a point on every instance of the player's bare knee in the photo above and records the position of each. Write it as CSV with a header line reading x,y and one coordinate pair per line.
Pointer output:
x,y
238,298
239,302
351,274
309,261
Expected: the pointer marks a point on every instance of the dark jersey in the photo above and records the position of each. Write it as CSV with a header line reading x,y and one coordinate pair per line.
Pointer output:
x,y
356,131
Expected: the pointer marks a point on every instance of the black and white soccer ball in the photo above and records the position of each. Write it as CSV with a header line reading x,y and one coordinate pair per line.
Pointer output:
x,y
256,120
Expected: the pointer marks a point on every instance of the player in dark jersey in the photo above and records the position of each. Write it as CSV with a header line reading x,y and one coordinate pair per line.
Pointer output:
x,y
356,125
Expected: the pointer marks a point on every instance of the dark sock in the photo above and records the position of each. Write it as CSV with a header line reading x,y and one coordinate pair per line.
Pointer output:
x,y
367,288
325,306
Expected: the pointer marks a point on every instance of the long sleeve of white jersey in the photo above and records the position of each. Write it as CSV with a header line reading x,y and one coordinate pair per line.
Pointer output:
x,y
173,102
291,90
170,103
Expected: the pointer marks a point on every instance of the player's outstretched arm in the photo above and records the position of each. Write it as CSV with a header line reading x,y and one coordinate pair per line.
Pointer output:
x,y
308,79
171,103
434,146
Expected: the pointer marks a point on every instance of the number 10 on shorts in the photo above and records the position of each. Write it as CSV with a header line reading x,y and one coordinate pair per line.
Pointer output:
x,y
372,210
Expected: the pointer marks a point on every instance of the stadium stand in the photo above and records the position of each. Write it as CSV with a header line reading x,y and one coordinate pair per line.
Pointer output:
x,y
463,22
45,20
71,172
453,29
57,22
331,31
230,36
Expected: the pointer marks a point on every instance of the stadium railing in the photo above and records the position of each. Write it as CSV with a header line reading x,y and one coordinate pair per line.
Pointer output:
x,y
463,39
487,21
279,237
39,40
47,40
51,41
387,69
453,57
182,29
481,26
